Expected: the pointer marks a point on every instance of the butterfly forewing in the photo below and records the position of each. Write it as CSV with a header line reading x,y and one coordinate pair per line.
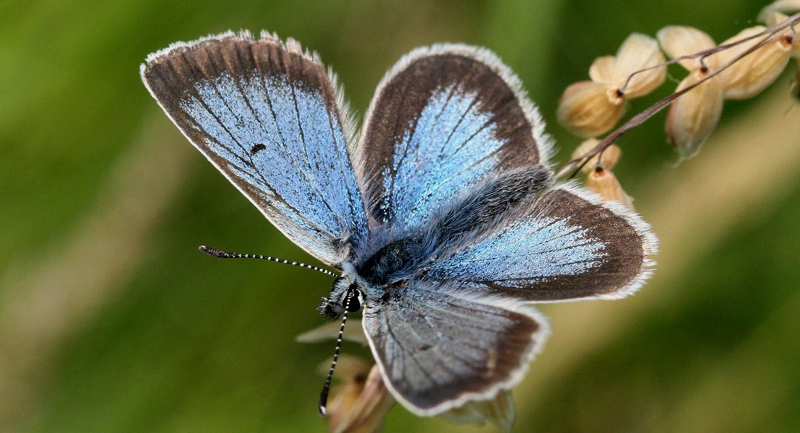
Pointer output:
x,y
567,244
266,114
438,351
443,120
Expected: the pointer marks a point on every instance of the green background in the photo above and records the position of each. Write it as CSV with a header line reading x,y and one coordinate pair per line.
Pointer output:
x,y
112,321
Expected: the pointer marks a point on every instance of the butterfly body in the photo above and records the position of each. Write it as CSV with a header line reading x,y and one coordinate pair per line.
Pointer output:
x,y
391,267
441,214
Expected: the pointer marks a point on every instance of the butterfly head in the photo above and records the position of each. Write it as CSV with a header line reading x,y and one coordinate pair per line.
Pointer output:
x,y
348,294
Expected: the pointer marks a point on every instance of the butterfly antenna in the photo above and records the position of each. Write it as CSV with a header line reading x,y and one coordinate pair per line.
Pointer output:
x,y
323,396
226,255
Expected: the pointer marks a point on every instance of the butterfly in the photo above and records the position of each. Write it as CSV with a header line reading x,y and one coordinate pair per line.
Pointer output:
x,y
442,215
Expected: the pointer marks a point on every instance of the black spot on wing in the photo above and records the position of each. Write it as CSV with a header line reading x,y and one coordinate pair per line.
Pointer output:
x,y
257,148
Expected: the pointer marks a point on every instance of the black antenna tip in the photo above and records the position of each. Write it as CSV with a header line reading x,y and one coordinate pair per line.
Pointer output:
x,y
322,410
209,251
214,252
227,255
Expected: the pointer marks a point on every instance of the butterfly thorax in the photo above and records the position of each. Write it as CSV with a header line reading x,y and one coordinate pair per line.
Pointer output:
x,y
387,270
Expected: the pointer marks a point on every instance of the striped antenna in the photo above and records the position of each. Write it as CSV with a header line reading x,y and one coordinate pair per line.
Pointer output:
x,y
226,255
323,396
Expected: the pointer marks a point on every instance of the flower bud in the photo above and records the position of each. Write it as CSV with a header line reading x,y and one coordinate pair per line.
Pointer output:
x,y
693,116
606,184
636,53
753,73
587,109
610,155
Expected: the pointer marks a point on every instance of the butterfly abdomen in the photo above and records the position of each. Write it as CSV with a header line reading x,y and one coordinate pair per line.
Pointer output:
x,y
479,209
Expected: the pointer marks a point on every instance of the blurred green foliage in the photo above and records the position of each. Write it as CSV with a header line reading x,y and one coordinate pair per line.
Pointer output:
x,y
112,321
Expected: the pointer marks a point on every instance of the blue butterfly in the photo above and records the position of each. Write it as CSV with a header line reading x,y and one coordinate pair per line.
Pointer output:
x,y
441,215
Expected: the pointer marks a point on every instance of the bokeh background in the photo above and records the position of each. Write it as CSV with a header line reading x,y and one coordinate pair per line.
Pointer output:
x,y
112,321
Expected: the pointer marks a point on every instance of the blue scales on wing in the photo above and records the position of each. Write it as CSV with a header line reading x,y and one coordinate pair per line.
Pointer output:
x,y
267,115
442,121
566,244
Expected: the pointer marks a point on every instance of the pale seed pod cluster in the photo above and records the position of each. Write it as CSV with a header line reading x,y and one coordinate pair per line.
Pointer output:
x,y
693,116
592,108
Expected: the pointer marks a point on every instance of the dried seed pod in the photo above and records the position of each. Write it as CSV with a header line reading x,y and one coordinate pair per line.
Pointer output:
x,y
606,184
772,18
362,402
587,109
783,6
638,52
591,108
602,69
679,41
608,157
693,116
753,73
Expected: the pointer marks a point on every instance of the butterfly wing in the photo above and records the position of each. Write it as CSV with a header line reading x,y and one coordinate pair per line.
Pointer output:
x,y
438,350
453,155
442,121
267,115
457,333
567,244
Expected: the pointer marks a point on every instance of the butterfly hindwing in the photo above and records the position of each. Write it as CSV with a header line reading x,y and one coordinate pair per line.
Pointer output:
x,y
566,244
267,115
443,120
437,350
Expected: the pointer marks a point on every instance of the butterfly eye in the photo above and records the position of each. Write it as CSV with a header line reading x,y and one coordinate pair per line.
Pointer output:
x,y
355,305
354,300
